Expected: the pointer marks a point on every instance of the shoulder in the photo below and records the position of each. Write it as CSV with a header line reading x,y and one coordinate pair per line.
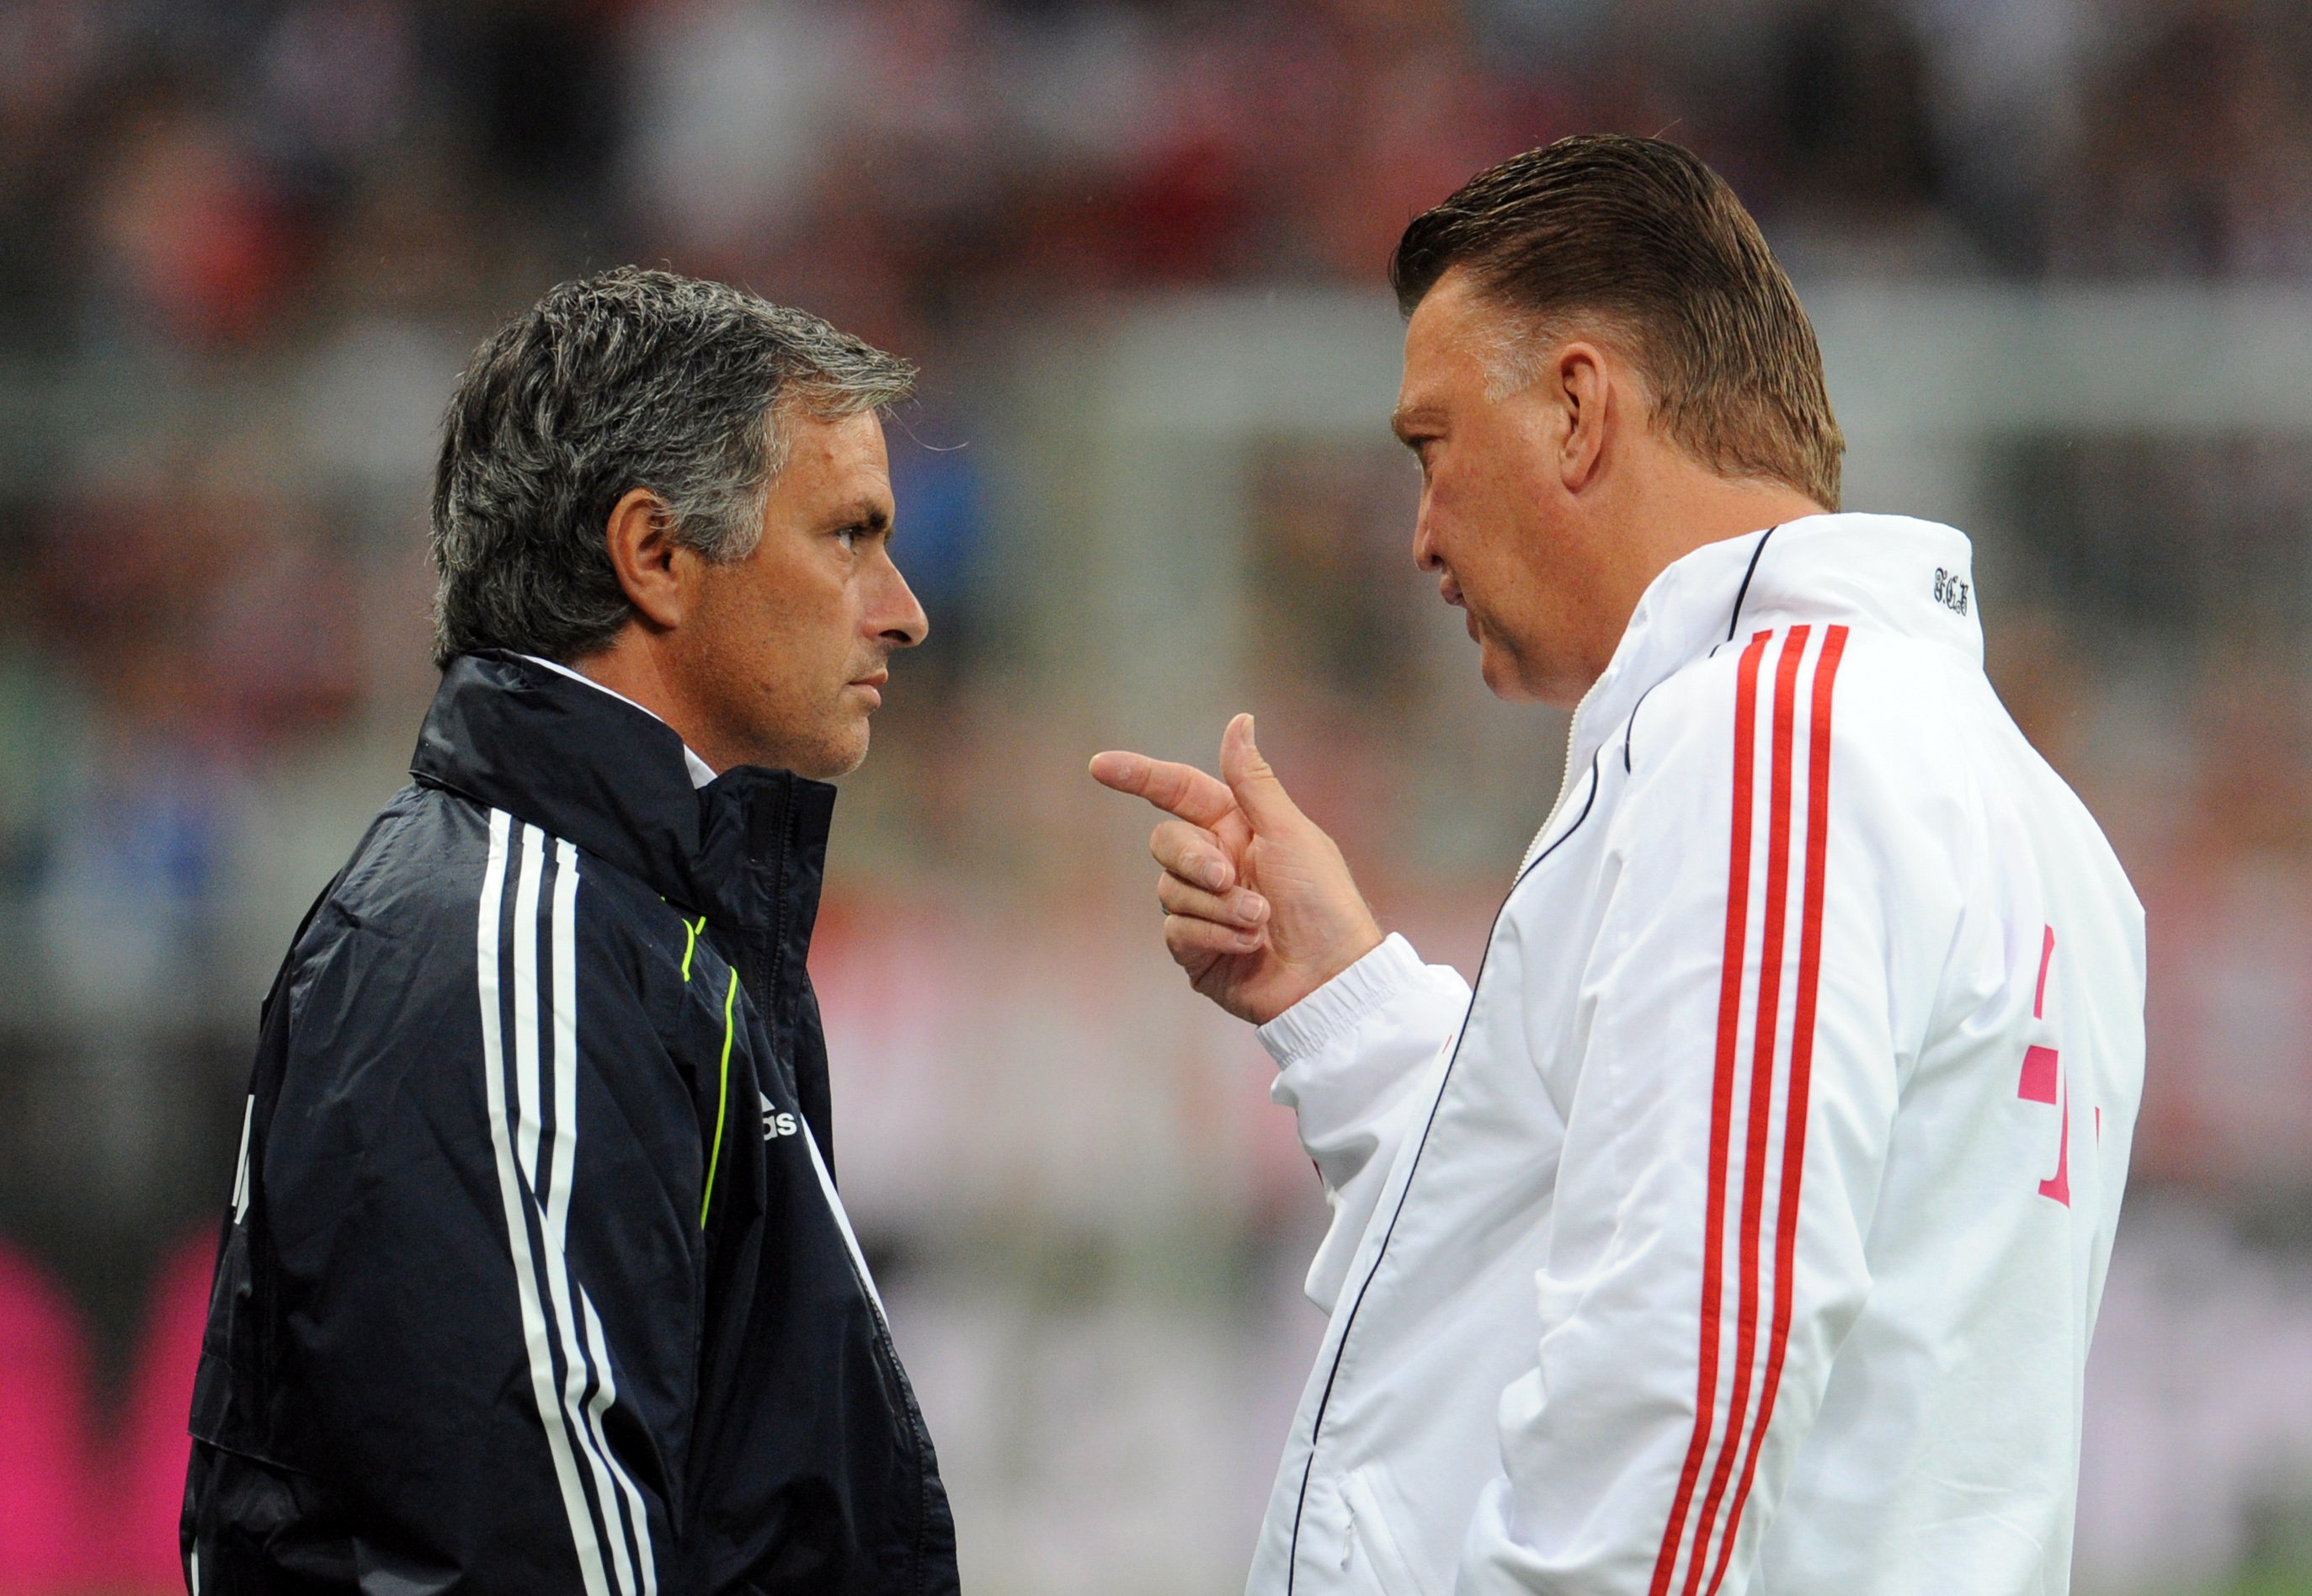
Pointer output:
x,y
455,923
438,875
1880,718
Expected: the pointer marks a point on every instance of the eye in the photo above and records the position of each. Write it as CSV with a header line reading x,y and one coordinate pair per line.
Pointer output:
x,y
849,536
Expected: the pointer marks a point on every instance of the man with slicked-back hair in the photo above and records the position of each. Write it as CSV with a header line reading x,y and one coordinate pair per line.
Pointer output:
x,y
1741,1229
534,1278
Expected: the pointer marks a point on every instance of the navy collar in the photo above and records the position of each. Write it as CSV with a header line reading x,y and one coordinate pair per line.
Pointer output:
x,y
747,849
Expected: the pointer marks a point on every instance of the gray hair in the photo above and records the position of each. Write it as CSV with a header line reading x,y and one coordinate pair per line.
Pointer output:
x,y
625,380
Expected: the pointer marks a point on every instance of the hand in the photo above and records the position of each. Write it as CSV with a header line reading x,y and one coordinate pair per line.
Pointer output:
x,y
1259,907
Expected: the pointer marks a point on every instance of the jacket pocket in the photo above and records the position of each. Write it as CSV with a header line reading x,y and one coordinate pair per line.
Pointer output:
x,y
1375,1539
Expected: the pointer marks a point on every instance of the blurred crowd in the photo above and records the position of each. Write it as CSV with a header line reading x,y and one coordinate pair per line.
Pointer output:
x,y
244,245
219,176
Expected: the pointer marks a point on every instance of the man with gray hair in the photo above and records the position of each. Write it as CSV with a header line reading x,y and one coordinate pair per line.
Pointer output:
x,y
534,1277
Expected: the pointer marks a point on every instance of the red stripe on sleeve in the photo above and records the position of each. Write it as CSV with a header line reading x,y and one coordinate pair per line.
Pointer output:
x,y
1722,1100
1803,1023
1761,1087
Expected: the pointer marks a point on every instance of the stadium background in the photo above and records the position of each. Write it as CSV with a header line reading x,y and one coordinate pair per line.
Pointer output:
x,y
2059,254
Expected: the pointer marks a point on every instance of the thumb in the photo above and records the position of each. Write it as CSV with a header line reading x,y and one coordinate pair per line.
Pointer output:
x,y
1258,793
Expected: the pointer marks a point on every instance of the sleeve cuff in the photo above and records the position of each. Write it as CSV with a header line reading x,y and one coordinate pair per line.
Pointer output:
x,y
1342,1003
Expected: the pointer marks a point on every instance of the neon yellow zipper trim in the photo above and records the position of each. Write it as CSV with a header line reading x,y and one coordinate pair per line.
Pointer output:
x,y
722,1104
690,943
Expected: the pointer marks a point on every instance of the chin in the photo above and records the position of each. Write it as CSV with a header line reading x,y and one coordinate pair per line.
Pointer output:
x,y
1503,677
838,755
1513,678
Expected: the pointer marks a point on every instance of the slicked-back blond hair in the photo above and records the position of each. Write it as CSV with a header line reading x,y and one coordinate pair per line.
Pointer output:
x,y
1643,235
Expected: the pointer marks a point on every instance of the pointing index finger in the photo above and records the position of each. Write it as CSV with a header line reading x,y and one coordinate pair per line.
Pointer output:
x,y
1180,790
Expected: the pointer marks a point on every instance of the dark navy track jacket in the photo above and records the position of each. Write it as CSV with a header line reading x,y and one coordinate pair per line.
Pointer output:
x,y
533,1278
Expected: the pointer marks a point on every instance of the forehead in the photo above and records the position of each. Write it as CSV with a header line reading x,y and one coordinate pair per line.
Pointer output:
x,y
1451,340
839,440
845,455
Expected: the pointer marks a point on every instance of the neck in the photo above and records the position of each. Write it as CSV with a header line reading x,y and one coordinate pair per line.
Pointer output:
x,y
1687,508
1680,507
634,667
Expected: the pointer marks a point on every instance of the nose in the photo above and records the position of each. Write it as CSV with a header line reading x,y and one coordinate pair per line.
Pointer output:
x,y
1425,545
896,617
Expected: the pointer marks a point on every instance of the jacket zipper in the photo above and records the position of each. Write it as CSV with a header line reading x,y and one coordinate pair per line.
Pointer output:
x,y
886,1351
1564,779
1534,854
1341,1347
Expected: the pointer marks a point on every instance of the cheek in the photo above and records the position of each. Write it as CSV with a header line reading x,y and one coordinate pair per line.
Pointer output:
x,y
1471,504
1493,494
796,618
1460,536
759,652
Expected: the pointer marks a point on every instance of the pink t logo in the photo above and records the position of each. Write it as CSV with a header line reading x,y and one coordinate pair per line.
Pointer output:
x,y
2043,1082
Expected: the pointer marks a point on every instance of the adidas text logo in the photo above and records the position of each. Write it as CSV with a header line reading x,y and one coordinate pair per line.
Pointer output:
x,y
777,1123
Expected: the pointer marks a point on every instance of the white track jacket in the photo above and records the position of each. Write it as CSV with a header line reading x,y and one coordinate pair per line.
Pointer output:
x,y
1743,1230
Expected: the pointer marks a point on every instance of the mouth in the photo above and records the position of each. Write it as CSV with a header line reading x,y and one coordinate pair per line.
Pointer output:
x,y
873,687
1450,592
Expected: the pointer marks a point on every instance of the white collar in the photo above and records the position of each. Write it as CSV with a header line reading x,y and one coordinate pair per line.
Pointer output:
x,y
701,773
1889,572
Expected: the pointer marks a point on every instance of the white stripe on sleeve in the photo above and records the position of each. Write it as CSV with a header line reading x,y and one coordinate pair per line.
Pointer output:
x,y
240,1166
488,954
842,1219
566,1297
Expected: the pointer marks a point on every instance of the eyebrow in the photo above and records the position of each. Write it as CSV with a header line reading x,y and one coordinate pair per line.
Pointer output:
x,y
874,517
1403,418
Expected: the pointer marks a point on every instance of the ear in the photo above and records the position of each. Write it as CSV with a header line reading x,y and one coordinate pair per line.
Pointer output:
x,y
1585,397
653,569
